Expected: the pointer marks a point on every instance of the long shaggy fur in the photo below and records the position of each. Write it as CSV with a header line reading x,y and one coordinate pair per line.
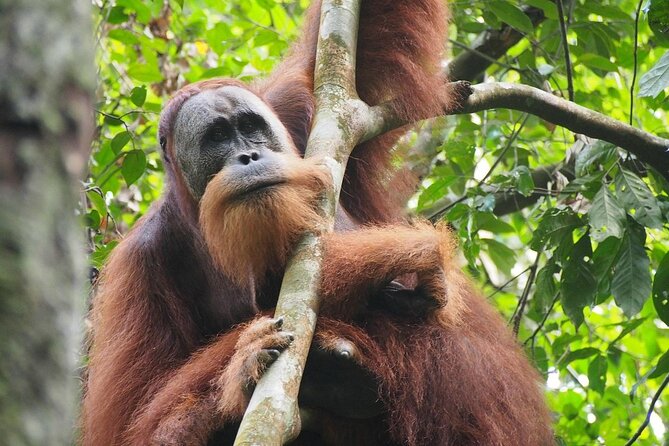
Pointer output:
x,y
262,229
166,317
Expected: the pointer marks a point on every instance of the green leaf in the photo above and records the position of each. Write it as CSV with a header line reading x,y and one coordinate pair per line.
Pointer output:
x,y
554,225
511,15
661,367
523,179
597,62
435,191
575,355
602,260
661,290
144,73
597,374
595,155
546,286
631,283
658,20
97,202
549,8
607,217
578,284
138,96
264,37
638,199
123,36
120,140
117,16
93,219
138,7
133,166
655,80
503,256
628,327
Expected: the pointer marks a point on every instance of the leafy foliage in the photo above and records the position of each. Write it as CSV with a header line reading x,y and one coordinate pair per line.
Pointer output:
x,y
521,194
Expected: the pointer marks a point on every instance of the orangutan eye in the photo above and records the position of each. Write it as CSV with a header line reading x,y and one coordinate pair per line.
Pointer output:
x,y
251,123
218,132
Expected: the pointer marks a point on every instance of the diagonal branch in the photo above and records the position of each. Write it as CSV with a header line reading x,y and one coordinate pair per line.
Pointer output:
x,y
341,121
647,147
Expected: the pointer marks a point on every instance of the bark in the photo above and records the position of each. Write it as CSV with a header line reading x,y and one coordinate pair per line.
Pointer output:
x,y
341,121
649,148
46,84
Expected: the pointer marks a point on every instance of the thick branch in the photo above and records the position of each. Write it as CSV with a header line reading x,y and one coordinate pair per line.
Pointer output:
x,y
647,147
341,121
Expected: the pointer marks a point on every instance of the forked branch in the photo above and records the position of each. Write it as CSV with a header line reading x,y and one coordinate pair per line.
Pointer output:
x,y
342,120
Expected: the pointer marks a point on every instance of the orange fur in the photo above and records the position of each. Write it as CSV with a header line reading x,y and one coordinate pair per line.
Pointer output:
x,y
261,230
166,362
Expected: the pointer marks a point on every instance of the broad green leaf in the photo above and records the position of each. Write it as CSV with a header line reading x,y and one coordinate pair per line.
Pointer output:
x,y
578,284
628,327
607,217
138,96
511,15
142,11
503,256
133,166
597,374
655,80
546,285
604,256
264,37
575,355
553,226
490,222
117,16
638,199
144,73
662,366
93,219
120,140
97,201
123,36
595,155
435,191
631,283
661,290
658,20
523,179
597,62
549,8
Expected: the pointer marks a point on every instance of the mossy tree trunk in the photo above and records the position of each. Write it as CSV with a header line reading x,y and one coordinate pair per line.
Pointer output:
x,y
46,85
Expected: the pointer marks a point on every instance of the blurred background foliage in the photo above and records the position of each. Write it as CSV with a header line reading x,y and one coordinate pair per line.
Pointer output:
x,y
566,235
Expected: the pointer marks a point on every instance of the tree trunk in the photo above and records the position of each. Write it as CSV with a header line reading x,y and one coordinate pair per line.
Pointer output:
x,y
46,84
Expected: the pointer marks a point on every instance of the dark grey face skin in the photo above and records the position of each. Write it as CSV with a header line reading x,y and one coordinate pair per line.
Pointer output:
x,y
229,128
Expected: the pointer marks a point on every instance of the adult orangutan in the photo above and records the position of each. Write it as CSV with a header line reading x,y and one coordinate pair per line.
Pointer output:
x,y
180,333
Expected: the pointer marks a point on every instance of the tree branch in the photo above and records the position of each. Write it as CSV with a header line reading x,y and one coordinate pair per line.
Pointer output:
x,y
647,147
341,121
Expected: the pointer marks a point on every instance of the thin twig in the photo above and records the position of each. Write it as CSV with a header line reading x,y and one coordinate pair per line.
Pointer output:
x,y
500,288
636,58
643,426
526,293
567,56
536,331
514,135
